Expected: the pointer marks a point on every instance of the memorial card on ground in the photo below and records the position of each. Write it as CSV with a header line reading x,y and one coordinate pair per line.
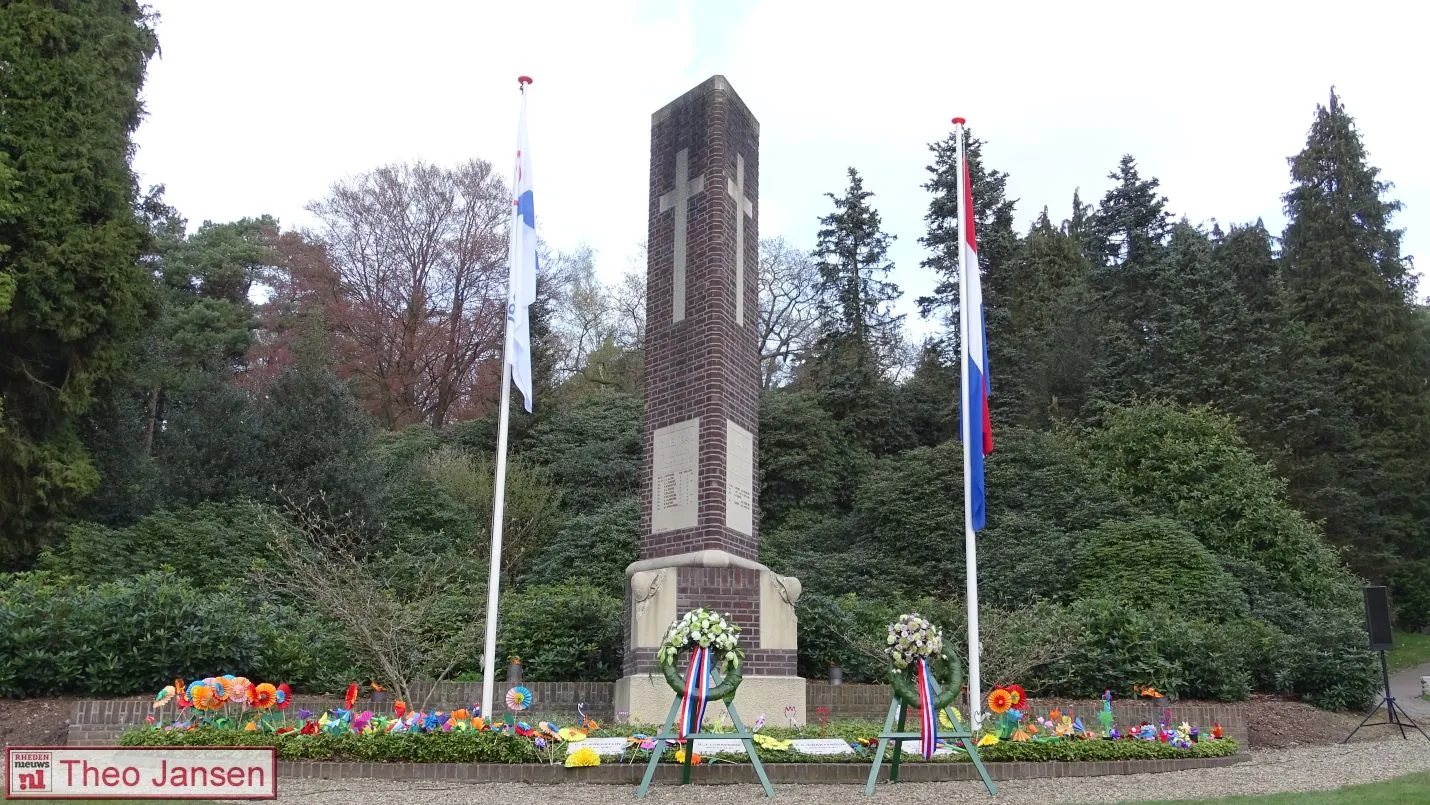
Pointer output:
x,y
822,746
605,747
714,746
912,748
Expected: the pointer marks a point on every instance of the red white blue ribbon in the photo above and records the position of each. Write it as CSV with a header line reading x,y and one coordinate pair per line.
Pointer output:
x,y
697,688
928,732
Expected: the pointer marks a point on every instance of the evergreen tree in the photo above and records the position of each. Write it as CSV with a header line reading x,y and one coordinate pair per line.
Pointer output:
x,y
1126,242
1348,285
69,272
859,334
1051,337
928,401
1247,253
1209,354
1131,225
993,222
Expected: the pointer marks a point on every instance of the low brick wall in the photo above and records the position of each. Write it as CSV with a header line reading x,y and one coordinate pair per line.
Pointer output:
x,y
101,721
730,773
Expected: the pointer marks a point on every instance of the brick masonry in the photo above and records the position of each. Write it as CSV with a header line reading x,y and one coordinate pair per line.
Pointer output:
x,y
702,351
704,365
730,773
100,722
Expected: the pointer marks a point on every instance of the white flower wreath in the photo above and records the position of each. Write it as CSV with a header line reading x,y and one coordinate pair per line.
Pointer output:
x,y
704,628
910,638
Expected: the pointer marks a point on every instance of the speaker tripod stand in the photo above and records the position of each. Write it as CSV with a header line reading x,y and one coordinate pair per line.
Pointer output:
x,y
1393,713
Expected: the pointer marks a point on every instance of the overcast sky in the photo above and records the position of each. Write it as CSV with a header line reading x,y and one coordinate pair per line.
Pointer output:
x,y
259,106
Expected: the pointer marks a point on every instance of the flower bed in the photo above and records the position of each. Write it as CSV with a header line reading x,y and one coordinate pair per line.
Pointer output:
x,y
232,711
484,746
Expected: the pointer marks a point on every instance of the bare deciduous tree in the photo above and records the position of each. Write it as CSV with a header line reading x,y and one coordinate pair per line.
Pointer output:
x,y
789,311
318,566
419,254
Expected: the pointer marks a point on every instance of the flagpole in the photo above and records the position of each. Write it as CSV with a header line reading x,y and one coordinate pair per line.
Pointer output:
x,y
499,486
970,541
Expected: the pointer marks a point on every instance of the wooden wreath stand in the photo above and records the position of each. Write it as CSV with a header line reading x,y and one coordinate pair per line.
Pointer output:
x,y
897,709
668,735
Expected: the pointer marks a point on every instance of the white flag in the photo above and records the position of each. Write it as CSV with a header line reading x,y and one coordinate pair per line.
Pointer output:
x,y
523,267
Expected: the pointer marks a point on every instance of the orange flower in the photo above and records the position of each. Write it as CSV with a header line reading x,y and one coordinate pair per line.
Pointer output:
x,y
1000,700
1056,715
205,698
460,714
263,696
399,708
351,698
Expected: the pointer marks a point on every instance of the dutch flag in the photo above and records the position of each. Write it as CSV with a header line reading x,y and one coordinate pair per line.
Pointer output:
x,y
977,429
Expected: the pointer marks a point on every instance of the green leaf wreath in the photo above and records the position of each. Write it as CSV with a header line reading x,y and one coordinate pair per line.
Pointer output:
x,y
910,638
701,627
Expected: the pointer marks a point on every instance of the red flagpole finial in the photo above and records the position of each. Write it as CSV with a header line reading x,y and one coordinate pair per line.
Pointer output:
x,y
523,80
958,121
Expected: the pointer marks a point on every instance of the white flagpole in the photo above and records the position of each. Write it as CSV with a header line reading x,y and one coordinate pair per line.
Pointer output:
x,y
489,654
970,541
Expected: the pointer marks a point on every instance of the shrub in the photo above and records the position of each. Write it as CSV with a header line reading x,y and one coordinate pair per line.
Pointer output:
x,y
1155,563
1191,465
211,544
844,631
1072,751
136,635
564,632
426,747
595,548
1327,662
591,450
1121,645
807,463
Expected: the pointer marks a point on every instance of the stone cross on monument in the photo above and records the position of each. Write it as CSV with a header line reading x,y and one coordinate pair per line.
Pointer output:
x,y
700,524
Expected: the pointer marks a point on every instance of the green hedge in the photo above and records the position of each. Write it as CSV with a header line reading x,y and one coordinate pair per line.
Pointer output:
x,y
60,636
432,747
1070,751
490,747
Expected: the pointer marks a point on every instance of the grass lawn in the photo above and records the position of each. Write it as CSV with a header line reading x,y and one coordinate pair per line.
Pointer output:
x,y
1411,788
1411,649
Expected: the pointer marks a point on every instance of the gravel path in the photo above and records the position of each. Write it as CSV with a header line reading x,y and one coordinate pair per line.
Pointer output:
x,y
1405,687
1299,769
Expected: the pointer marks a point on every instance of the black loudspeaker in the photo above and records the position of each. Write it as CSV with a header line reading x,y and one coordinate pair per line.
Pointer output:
x,y
1377,618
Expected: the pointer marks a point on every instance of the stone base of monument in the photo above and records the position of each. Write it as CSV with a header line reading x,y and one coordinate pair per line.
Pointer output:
x,y
644,700
760,601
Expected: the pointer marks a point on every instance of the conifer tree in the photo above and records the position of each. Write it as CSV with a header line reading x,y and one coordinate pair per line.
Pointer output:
x,y
1125,238
993,220
1347,284
1052,331
69,273
859,333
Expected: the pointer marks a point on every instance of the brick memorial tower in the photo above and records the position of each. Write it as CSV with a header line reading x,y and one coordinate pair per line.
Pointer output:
x,y
700,523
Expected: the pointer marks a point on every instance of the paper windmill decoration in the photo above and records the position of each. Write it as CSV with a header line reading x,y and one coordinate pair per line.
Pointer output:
x,y
518,698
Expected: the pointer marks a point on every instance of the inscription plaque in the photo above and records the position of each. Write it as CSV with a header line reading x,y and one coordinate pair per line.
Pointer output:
x,y
739,479
675,469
